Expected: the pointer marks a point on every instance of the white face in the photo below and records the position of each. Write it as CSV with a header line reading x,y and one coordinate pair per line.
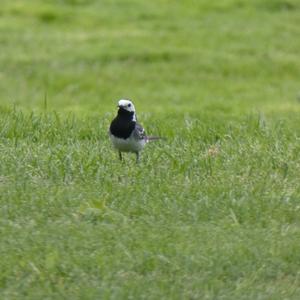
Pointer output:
x,y
127,105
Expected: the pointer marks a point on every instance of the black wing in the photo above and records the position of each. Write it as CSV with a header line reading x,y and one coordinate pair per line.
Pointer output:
x,y
139,132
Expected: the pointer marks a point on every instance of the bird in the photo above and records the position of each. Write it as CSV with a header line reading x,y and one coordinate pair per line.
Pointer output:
x,y
126,134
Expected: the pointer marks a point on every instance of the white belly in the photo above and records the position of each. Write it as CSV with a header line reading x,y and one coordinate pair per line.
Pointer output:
x,y
127,145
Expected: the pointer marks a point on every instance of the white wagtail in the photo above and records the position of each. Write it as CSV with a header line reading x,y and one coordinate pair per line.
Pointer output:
x,y
126,134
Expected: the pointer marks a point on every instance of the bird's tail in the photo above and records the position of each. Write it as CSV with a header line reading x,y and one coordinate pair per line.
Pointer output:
x,y
154,138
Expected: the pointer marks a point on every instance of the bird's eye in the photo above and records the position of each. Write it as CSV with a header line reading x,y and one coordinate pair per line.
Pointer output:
x,y
129,105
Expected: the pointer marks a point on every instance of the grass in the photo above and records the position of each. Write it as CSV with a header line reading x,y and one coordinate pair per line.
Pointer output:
x,y
210,213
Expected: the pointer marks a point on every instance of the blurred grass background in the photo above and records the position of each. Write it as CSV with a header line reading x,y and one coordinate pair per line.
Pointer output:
x,y
186,56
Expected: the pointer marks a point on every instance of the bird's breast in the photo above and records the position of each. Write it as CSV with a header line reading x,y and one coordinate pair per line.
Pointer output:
x,y
129,144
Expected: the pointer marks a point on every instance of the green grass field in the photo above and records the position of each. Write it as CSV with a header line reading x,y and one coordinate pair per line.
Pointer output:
x,y
213,212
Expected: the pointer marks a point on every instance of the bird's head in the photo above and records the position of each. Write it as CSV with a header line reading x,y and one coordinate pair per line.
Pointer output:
x,y
126,105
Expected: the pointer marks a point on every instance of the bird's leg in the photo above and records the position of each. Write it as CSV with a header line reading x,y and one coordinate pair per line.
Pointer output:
x,y
120,155
137,157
